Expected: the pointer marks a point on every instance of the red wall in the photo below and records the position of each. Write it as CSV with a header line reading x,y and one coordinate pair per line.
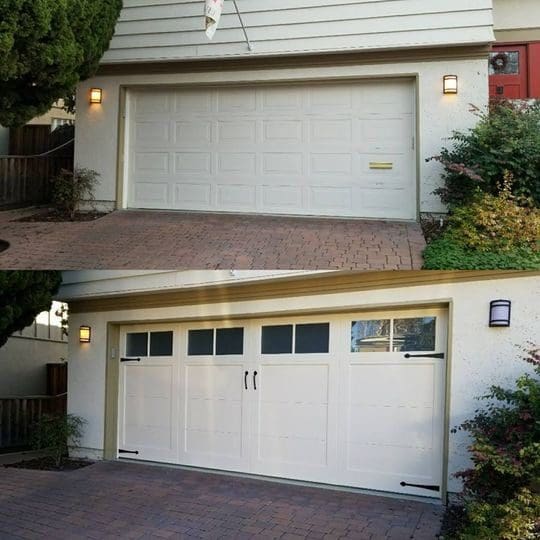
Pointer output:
x,y
534,70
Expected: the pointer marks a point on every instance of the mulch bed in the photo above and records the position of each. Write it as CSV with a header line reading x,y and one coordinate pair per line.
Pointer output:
x,y
54,216
452,521
47,464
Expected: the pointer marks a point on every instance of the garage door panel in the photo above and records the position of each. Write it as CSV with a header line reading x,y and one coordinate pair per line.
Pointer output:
x,y
313,137
152,134
193,133
152,162
396,464
193,102
193,163
407,384
283,451
153,194
198,195
279,197
400,427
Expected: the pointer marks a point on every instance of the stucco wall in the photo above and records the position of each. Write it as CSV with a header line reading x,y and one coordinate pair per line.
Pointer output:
x,y
516,14
479,356
438,115
22,365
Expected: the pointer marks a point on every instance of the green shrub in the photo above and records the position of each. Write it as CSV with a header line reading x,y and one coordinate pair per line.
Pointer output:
x,y
449,253
500,492
54,432
506,138
70,189
499,222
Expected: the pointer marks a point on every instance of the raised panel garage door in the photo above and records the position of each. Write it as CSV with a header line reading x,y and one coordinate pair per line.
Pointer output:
x,y
335,149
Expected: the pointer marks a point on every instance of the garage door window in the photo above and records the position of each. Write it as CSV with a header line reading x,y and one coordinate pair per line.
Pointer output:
x,y
414,334
307,338
161,343
227,341
312,338
397,335
370,336
277,339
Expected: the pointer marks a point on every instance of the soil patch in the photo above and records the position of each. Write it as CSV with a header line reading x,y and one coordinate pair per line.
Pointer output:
x,y
54,216
47,463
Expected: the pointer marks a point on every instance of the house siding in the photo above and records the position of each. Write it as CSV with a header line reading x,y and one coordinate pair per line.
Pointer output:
x,y
173,30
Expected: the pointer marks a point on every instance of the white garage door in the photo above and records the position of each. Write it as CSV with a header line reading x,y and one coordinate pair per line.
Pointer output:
x,y
351,400
342,149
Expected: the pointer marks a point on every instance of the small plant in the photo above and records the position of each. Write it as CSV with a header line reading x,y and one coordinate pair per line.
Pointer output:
x,y
71,188
506,138
497,222
501,494
54,432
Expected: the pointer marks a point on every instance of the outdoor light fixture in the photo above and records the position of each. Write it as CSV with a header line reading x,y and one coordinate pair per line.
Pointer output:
x,y
95,95
85,333
499,313
450,84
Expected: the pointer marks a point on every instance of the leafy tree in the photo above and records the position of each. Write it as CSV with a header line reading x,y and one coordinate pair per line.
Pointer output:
x,y
47,47
24,294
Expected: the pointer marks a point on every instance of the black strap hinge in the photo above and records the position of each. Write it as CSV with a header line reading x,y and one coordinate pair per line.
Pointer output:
x,y
421,486
130,359
121,451
430,355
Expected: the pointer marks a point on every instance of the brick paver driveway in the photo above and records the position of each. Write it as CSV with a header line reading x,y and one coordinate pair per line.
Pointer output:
x,y
124,500
180,240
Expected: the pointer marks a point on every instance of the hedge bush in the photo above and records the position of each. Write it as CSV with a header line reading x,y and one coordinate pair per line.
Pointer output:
x,y
501,497
492,232
506,138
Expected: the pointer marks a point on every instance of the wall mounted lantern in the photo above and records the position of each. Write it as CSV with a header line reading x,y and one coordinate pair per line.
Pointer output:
x,y
499,313
85,333
450,84
96,95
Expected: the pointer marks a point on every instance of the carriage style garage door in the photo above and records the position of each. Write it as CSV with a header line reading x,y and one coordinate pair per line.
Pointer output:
x,y
336,149
352,400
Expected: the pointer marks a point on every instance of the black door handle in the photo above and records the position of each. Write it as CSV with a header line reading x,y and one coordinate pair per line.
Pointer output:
x,y
432,355
245,379
254,380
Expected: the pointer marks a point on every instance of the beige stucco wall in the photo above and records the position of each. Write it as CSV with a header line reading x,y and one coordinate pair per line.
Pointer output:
x,y
22,365
479,355
96,143
516,20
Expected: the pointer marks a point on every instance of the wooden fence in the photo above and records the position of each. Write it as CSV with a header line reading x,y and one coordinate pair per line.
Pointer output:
x,y
17,414
25,180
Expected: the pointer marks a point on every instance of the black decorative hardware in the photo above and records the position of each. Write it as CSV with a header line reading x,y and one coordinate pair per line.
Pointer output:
x,y
431,355
130,359
500,90
245,379
120,451
421,486
254,380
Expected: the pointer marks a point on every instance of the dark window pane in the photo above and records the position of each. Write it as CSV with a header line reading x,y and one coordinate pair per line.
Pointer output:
x,y
200,342
370,336
414,334
312,338
277,339
161,343
137,344
230,341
